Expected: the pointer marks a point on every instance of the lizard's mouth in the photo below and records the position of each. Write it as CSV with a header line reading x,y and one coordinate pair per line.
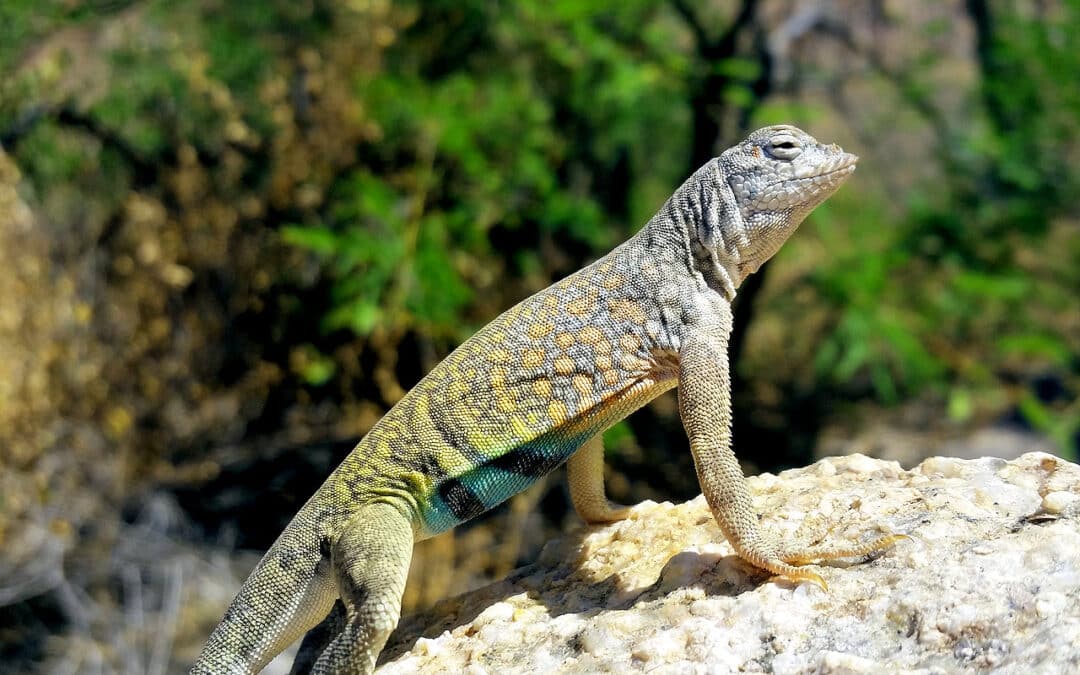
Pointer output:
x,y
842,172
801,191
844,162
810,185
844,168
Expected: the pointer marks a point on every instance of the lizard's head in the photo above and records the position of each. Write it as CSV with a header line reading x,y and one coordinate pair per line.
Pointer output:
x,y
777,176
781,173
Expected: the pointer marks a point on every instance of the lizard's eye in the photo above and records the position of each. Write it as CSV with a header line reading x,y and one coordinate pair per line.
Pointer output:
x,y
784,147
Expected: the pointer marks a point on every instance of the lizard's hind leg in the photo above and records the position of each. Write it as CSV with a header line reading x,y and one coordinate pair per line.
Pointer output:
x,y
585,474
317,639
370,560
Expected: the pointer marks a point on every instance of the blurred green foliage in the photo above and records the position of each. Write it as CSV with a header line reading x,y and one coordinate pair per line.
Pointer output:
x,y
499,117
505,122
482,150
970,283
494,143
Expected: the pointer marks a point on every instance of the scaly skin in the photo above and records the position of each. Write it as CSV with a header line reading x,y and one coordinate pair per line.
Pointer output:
x,y
536,385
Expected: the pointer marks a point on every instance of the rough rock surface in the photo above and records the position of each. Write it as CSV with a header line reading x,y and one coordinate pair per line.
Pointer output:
x,y
990,581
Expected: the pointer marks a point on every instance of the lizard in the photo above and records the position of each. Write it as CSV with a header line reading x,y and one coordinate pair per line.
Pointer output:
x,y
534,389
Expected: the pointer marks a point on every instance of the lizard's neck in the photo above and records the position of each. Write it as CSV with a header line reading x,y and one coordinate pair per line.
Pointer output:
x,y
704,220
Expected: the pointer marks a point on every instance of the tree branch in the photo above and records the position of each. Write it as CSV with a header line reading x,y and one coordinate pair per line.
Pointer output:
x,y
903,80
725,46
683,9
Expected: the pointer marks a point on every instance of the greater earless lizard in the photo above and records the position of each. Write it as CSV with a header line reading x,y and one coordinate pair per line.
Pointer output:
x,y
533,389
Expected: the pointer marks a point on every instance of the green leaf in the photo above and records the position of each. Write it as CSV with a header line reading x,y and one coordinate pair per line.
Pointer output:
x,y
618,436
315,368
745,70
739,95
960,405
318,239
1035,345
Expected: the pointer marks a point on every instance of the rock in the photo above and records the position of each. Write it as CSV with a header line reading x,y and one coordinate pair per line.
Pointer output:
x,y
990,580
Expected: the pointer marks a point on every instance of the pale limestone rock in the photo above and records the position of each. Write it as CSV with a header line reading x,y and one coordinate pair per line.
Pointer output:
x,y
991,581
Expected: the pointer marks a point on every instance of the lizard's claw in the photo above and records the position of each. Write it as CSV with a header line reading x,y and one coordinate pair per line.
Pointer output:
x,y
805,575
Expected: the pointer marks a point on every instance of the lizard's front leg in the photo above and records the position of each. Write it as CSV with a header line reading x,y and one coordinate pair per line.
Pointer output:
x,y
585,474
705,407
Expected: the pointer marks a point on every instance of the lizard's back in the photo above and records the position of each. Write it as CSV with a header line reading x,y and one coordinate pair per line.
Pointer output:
x,y
520,396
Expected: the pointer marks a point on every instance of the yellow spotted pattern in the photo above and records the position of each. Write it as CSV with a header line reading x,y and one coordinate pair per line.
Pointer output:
x,y
541,378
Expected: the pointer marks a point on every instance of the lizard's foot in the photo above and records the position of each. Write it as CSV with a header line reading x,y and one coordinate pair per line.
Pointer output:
x,y
787,564
796,574
608,512
764,556
844,551
585,470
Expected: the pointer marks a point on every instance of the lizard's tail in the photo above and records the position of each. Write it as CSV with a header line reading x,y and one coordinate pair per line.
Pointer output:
x,y
290,591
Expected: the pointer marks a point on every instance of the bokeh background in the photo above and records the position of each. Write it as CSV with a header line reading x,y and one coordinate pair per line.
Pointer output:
x,y
232,234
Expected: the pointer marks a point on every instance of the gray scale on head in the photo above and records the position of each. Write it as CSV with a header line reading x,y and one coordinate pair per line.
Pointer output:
x,y
753,197
783,169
